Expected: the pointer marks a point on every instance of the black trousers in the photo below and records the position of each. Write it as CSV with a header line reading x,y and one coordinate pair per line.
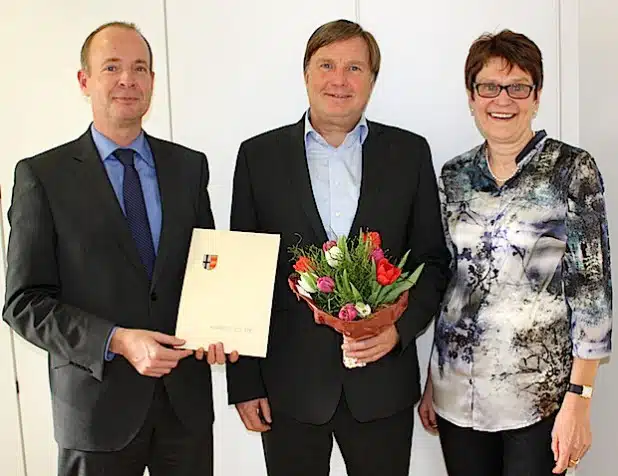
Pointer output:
x,y
379,447
521,452
163,445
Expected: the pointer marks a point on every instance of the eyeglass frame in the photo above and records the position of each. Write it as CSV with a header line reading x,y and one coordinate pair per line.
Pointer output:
x,y
505,87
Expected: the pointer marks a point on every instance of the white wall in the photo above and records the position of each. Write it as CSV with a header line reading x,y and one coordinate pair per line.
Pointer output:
x,y
598,105
236,70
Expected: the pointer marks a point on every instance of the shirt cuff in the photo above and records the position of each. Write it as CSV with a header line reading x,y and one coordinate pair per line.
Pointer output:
x,y
592,350
109,355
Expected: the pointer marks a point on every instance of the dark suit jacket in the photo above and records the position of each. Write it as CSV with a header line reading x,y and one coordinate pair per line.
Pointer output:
x,y
74,272
303,374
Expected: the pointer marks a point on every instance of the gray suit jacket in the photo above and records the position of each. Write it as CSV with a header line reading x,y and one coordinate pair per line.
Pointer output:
x,y
74,272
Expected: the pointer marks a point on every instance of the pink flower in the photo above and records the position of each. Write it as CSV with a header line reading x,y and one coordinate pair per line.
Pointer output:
x,y
328,245
348,312
326,284
377,255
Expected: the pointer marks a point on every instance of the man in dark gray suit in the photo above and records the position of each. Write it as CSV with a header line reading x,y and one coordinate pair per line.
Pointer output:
x,y
100,232
331,174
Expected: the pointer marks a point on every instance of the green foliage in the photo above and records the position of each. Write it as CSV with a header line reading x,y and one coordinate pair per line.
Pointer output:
x,y
354,275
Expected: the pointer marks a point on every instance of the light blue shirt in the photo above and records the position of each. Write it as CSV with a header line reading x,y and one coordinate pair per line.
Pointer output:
x,y
336,174
145,166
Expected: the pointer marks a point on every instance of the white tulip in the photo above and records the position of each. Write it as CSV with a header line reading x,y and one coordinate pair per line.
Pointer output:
x,y
308,283
334,257
363,309
302,291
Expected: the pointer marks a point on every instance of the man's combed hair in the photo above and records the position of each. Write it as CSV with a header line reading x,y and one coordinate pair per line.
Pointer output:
x,y
341,30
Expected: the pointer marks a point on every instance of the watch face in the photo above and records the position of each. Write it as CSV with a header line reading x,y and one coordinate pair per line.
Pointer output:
x,y
587,391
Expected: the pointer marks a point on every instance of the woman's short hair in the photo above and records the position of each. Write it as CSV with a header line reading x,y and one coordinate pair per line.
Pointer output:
x,y
515,49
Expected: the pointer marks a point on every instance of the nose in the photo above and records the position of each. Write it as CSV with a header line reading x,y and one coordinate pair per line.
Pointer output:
x,y
127,78
503,98
339,76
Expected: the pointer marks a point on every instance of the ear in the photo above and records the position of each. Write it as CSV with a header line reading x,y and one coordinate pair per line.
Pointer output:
x,y
374,79
470,99
82,78
537,99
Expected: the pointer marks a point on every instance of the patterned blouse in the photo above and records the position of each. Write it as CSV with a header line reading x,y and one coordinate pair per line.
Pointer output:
x,y
531,285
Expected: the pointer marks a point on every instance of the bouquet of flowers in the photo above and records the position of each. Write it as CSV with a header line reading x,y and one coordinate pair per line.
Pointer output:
x,y
352,286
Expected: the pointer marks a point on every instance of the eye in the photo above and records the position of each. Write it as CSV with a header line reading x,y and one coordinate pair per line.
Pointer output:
x,y
518,87
111,68
142,69
326,66
355,68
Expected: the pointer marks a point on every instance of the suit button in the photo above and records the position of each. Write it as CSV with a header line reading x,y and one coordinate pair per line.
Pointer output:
x,y
153,296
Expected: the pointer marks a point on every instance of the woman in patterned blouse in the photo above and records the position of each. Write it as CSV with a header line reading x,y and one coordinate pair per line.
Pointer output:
x,y
527,315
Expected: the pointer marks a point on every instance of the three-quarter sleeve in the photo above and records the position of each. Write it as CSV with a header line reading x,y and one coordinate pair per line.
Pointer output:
x,y
586,271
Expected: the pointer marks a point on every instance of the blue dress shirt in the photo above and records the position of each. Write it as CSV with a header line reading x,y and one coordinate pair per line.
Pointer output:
x,y
336,174
145,166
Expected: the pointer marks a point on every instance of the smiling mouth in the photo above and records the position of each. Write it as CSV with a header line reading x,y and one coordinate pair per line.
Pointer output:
x,y
502,116
339,96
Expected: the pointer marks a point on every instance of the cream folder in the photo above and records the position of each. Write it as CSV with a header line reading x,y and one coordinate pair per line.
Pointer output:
x,y
227,291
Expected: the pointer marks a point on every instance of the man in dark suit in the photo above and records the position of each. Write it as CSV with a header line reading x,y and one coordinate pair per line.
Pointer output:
x,y
100,232
328,175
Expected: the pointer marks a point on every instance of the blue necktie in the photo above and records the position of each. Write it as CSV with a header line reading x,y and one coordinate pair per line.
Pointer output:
x,y
135,209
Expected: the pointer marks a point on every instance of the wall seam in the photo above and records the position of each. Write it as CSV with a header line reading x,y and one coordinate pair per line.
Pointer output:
x,y
168,71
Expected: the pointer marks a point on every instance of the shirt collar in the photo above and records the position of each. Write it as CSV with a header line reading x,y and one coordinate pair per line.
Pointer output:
x,y
361,130
106,147
531,150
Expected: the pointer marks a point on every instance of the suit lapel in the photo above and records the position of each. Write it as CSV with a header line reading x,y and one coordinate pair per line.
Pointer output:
x,y
98,186
168,191
372,181
301,179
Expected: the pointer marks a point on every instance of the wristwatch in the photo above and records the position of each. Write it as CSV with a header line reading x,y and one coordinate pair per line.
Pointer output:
x,y
584,391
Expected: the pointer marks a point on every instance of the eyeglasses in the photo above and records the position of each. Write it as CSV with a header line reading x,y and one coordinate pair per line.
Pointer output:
x,y
493,90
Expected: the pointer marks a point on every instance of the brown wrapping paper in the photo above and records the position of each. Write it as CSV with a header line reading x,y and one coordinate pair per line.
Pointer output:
x,y
359,329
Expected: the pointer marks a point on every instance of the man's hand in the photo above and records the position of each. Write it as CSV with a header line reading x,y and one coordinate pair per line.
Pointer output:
x,y
255,414
216,354
146,352
373,348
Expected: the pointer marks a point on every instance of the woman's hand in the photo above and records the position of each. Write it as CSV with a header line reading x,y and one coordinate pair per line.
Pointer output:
x,y
571,436
425,409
